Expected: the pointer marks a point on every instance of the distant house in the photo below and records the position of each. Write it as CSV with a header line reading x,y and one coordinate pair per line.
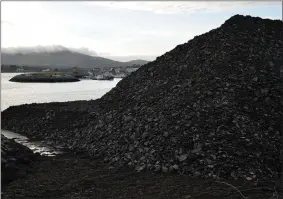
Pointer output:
x,y
108,74
90,73
46,70
96,69
80,72
20,69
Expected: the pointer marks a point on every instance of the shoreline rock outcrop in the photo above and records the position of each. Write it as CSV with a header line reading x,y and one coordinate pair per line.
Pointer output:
x,y
43,78
211,107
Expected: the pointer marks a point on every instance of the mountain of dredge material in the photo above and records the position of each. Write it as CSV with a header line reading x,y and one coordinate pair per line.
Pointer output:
x,y
210,107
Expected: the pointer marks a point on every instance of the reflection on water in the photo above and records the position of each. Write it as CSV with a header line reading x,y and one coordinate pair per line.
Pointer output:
x,y
14,93
36,146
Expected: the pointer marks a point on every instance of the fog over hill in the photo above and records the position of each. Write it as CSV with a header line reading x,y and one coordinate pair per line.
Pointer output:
x,y
59,57
41,49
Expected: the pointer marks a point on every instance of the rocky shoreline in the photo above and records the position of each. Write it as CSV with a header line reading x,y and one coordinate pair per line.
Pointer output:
x,y
210,108
24,78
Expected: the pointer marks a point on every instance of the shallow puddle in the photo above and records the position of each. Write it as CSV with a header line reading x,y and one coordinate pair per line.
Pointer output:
x,y
36,146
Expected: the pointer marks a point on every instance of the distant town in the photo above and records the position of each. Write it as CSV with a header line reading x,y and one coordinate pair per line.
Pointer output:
x,y
116,72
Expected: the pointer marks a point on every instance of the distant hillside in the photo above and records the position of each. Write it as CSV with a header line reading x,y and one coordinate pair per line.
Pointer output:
x,y
137,62
62,59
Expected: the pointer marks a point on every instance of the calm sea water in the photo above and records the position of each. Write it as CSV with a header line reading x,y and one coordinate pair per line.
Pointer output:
x,y
13,93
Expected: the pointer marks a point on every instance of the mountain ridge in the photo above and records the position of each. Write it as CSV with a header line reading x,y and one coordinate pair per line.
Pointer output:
x,y
64,58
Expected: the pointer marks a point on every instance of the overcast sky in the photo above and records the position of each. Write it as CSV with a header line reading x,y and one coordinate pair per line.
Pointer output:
x,y
128,29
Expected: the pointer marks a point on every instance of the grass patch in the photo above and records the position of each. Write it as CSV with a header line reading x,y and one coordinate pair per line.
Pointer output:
x,y
52,73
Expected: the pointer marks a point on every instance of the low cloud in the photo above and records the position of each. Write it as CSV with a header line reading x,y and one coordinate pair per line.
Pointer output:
x,y
52,48
83,50
132,57
180,6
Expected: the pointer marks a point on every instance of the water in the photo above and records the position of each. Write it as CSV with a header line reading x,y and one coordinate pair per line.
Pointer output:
x,y
36,146
13,93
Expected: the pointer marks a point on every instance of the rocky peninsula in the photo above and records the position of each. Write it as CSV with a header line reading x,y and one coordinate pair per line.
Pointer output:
x,y
44,77
207,112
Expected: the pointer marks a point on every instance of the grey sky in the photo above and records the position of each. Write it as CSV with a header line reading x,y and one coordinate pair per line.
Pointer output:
x,y
128,29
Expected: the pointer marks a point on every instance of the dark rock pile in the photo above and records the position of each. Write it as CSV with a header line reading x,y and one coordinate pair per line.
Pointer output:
x,y
14,160
211,107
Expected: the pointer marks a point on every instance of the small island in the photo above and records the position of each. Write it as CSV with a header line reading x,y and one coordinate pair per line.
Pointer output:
x,y
42,77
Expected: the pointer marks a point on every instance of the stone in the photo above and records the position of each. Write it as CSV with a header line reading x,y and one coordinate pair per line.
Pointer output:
x,y
165,134
249,178
197,173
255,79
140,168
175,166
182,158
197,150
164,169
157,168
128,118
233,175
209,93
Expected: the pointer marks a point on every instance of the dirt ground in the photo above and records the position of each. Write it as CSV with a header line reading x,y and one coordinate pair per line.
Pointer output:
x,y
81,177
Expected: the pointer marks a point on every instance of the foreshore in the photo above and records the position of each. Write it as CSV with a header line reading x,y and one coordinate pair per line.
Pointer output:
x,y
70,176
79,175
